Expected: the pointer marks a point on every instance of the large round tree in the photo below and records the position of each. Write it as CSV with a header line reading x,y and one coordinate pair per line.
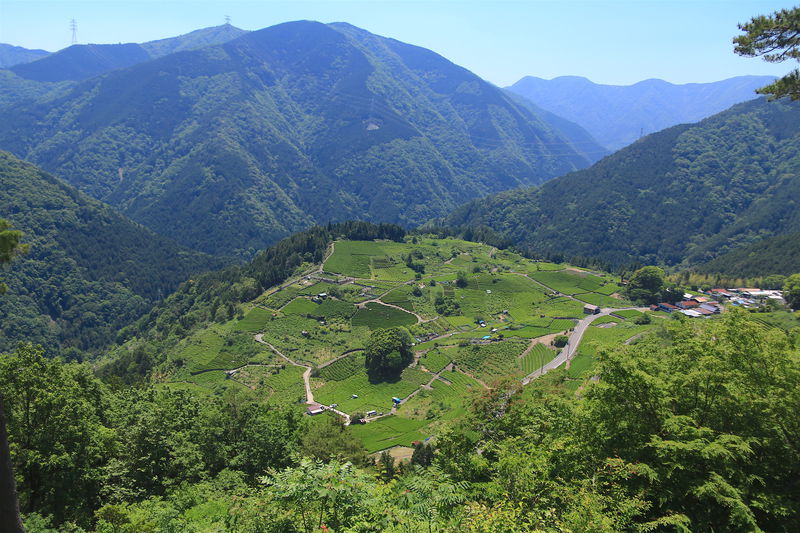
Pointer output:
x,y
388,353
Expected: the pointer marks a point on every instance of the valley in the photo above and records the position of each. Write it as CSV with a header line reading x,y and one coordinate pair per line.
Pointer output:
x,y
304,277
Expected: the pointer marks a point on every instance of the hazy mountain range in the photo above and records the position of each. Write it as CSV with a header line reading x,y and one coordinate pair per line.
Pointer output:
x,y
617,115
11,55
82,61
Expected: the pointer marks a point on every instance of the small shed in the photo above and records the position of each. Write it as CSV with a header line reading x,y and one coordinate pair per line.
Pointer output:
x,y
590,309
315,409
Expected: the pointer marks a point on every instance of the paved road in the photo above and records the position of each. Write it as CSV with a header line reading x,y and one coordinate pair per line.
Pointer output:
x,y
569,351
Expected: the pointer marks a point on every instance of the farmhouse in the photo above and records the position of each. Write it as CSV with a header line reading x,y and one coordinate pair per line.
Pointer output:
x,y
723,293
687,304
663,306
714,307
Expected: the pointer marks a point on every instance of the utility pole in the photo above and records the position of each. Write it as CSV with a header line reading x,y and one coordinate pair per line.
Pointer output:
x,y
73,24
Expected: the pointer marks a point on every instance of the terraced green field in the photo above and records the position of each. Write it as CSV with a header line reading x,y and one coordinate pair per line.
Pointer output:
x,y
438,358
536,358
389,431
371,396
375,315
484,328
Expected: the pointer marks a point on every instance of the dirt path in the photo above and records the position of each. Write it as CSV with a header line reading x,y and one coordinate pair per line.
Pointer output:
x,y
328,255
458,369
340,357
544,339
378,300
306,375
230,371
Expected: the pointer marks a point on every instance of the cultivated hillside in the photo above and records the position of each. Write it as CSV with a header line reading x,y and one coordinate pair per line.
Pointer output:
x,y
683,195
617,115
229,148
89,271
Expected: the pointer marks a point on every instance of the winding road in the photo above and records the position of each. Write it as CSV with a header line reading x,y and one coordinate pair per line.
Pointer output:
x,y
569,351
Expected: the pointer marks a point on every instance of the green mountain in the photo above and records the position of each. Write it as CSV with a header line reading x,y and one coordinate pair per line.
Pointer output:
x,y
581,139
193,40
229,148
617,115
89,272
82,61
681,196
11,55
774,255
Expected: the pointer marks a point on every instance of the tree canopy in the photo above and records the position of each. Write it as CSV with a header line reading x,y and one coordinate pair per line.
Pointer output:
x,y
388,353
9,246
791,291
774,38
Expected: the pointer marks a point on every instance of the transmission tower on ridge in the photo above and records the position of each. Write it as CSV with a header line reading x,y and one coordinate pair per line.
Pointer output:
x,y
227,20
73,24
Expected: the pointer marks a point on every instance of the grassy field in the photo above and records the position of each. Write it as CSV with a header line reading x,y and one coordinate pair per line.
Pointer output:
x,y
785,320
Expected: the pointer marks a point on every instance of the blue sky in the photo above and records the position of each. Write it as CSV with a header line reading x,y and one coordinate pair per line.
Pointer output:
x,y
615,42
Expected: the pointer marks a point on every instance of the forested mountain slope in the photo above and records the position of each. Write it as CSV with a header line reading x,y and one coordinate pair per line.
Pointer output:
x,y
229,148
774,255
82,61
617,115
581,139
193,40
89,271
683,195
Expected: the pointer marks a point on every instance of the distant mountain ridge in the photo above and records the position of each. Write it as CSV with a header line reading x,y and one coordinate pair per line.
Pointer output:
x,y
11,55
230,147
617,115
83,61
682,196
